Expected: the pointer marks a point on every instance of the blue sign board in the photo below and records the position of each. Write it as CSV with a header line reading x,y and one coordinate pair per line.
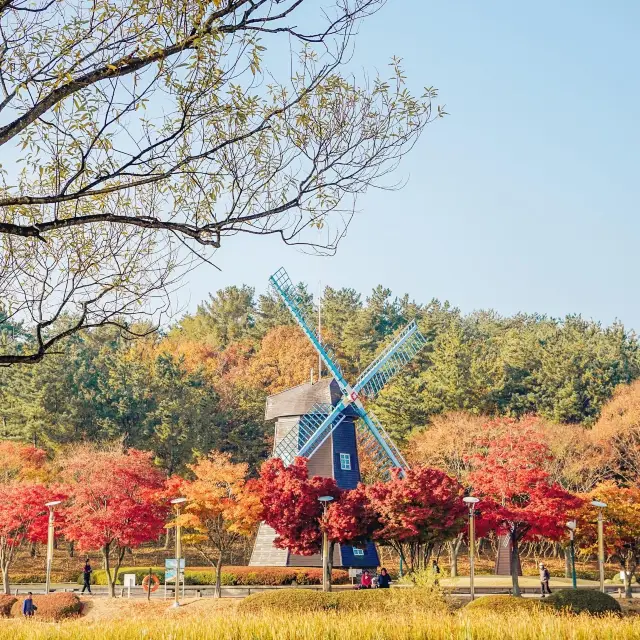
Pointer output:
x,y
170,566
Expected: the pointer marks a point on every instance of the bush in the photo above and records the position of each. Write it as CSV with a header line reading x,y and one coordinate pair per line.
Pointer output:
x,y
231,576
393,601
40,578
52,607
6,602
583,601
502,604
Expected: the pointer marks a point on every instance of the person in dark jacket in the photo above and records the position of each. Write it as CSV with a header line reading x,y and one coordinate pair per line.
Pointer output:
x,y
544,579
28,608
384,579
86,575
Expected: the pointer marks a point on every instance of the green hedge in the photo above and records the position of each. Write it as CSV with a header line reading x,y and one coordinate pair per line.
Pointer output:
x,y
231,576
583,601
40,578
391,602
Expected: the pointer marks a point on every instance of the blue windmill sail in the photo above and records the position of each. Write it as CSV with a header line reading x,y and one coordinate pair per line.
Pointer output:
x,y
308,435
402,349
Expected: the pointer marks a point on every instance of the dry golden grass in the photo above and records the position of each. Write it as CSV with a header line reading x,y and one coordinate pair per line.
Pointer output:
x,y
207,619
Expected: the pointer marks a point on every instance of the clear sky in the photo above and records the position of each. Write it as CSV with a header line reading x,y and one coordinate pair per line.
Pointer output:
x,y
526,197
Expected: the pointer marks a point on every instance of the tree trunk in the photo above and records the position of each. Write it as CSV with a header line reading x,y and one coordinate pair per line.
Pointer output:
x,y
332,545
514,565
72,548
110,582
629,570
166,539
218,591
5,579
454,550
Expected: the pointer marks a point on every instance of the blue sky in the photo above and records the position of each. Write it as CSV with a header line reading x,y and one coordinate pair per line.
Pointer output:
x,y
525,198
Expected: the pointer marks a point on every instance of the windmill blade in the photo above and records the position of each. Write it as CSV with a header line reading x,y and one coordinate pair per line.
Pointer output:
x,y
310,433
388,455
400,352
284,287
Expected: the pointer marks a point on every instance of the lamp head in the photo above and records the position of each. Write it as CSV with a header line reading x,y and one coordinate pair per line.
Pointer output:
x,y
53,503
325,498
470,500
598,504
178,500
572,524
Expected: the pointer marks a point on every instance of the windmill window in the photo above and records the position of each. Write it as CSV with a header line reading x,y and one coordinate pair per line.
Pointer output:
x,y
345,461
358,552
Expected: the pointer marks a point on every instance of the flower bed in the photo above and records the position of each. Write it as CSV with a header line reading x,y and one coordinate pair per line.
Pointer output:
x,y
232,576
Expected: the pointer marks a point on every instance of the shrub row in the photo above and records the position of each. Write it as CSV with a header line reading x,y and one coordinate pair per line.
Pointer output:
x,y
6,602
39,578
566,600
232,576
52,607
378,601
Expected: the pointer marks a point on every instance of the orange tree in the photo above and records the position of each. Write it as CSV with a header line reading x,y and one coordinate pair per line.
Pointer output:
x,y
621,527
222,507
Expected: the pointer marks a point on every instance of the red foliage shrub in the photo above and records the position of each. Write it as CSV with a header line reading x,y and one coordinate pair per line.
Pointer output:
x,y
53,607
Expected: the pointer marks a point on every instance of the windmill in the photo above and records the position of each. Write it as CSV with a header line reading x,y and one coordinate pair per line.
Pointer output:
x,y
319,421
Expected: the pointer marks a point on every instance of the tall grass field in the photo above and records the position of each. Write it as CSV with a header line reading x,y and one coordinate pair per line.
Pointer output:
x,y
206,619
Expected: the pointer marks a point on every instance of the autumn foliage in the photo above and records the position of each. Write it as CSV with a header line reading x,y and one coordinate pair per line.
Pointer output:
x,y
518,497
114,503
222,507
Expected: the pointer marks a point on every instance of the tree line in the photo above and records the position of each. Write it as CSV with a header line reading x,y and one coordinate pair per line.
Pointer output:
x,y
201,384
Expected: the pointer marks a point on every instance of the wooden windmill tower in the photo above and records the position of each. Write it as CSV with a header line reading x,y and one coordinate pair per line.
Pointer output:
x,y
319,421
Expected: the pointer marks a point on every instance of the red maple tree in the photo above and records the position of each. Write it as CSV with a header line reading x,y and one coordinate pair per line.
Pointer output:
x,y
290,504
115,503
518,498
23,518
417,512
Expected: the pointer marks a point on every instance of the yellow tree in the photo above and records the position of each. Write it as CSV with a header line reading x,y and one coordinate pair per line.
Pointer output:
x,y
621,527
222,508
285,359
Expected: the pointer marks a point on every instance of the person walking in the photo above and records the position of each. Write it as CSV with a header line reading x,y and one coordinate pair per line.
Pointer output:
x,y
435,567
86,574
544,580
28,608
384,579
365,580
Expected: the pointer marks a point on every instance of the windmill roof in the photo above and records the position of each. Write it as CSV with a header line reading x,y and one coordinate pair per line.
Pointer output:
x,y
299,400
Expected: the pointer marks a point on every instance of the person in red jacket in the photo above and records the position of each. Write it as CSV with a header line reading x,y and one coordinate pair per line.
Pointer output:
x,y
365,580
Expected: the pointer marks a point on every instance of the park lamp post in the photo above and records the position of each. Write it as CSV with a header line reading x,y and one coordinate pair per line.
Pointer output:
x,y
50,535
471,502
326,582
571,525
177,502
600,506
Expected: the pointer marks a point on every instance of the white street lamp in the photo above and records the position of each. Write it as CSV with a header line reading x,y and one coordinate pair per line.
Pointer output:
x,y
50,535
326,578
176,502
600,506
471,502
